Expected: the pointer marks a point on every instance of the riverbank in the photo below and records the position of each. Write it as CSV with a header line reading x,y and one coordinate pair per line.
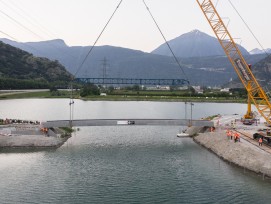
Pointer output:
x,y
161,97
31,136
242,154
31,141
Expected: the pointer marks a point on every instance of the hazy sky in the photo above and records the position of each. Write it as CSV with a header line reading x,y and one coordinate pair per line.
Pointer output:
x,y
79,22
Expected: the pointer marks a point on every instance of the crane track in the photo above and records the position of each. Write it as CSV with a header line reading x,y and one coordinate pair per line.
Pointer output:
x,y
265,147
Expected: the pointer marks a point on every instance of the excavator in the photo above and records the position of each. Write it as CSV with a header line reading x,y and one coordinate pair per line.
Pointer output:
x,y
256,94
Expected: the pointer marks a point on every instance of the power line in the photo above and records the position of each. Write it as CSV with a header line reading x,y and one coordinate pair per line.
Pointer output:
x,y
27,45
29,19
165,40
8,35
20,24
36,24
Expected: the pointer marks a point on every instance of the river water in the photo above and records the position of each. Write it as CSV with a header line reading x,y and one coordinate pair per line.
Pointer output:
x,y
123,164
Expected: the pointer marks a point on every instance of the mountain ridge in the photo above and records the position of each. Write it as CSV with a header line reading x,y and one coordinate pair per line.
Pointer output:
x,y
129,63
257,51
194,44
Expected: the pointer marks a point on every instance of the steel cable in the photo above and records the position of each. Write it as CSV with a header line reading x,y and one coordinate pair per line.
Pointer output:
x,y
92,47
177,61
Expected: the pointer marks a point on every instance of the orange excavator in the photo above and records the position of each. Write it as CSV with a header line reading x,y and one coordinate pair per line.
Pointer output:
x,y
256,94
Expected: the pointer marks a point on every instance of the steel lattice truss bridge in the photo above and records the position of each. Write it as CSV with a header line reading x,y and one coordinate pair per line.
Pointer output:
x,y
161,82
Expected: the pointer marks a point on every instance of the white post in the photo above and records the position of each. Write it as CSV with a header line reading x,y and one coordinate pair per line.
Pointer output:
x,y
191,112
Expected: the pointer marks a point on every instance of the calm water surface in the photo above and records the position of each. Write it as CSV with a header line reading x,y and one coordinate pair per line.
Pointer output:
x,y
123,164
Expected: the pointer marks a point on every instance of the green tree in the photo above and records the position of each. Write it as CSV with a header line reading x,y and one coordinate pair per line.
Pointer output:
x,y
110,89
135,88
89,90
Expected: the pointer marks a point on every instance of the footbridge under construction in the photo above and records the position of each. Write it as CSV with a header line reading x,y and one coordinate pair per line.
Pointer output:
x,y
127,122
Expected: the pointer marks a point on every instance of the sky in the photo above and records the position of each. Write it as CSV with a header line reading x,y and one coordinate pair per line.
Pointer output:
x,y
79,22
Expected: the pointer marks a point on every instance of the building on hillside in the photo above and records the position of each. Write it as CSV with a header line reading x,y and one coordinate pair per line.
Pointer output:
x,y
198,89
155,88
227,90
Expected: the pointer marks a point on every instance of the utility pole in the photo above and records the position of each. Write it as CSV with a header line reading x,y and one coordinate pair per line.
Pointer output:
x,y
104,71
185,107
104,65
71,106
192,104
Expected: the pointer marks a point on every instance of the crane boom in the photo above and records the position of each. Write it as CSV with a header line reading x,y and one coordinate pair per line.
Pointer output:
x,y
255,91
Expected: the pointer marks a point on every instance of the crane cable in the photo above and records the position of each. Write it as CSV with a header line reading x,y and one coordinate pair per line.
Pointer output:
x,y
20,24
249,28
92,47
190,87
84,60
216,3
166,41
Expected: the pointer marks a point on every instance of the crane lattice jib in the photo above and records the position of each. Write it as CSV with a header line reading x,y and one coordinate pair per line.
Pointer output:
x,y
256,93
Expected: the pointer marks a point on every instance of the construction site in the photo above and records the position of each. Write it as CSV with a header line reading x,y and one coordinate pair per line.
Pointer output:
x,y
243,140
237,143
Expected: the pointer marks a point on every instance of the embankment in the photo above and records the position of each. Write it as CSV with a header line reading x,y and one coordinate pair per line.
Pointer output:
x,y
241,153
29,135
33,141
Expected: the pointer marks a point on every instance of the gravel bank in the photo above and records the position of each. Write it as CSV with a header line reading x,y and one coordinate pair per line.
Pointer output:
x,y
242,153
37,141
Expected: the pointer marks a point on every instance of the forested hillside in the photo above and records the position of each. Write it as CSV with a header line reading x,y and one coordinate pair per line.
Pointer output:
x,y
19,69
262,72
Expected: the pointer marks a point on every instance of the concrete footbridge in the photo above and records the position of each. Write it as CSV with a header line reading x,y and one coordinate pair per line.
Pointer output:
x,y
127,122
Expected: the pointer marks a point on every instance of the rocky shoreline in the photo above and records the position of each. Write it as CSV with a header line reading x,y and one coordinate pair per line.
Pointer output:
x,y
242,154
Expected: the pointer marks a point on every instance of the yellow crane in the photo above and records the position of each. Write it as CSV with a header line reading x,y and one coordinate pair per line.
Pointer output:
x,y
255,92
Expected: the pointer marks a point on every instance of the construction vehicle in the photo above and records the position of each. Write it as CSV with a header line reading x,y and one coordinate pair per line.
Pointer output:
x,y
256,94
265,134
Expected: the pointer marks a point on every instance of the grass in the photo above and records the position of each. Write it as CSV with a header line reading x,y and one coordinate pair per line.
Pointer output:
x,y
124,96
41,94
211,117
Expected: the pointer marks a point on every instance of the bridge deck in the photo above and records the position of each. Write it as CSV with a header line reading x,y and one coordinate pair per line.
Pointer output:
x,y
123,122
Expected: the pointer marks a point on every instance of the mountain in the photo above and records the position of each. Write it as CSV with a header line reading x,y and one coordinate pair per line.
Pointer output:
x,y
257,51
129,63
72,57
21,65
194,44
261,71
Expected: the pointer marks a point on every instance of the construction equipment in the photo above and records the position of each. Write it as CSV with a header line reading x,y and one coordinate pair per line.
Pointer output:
x,y
255,92
265,134
249,117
